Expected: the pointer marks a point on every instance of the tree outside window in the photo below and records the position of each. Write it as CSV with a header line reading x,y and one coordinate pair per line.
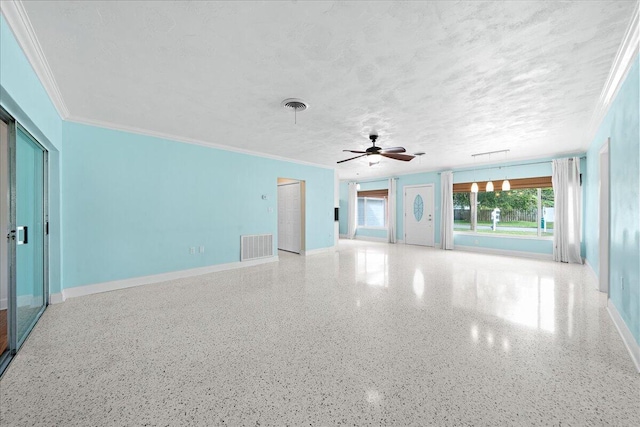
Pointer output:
x,y
520,212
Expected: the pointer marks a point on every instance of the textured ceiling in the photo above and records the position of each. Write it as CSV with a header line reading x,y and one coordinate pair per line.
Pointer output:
x,y
447,78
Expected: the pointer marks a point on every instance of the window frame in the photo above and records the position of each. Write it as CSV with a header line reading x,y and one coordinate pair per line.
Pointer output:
x,y
538,183
375,195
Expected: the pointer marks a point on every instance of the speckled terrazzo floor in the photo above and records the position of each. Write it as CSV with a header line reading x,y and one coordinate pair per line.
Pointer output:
x,y
373,334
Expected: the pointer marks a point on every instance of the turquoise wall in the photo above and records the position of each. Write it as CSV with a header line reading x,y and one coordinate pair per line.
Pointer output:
x,y
23,96
412,179
622,125
135,204
497,172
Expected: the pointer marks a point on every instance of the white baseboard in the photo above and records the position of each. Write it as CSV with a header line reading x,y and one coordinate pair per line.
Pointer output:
x,y
156,278
56,298
4,304
593,274
625,334
489,251
319,251
372,239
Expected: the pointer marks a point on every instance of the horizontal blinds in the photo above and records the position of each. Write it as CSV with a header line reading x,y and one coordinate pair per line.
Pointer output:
x,y
374,193
516,184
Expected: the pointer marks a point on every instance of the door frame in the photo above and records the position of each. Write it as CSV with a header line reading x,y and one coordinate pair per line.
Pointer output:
x,y
404,209
281,181
14,343
604,219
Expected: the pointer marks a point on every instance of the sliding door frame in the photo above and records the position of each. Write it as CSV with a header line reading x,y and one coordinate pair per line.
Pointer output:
x,y
16,342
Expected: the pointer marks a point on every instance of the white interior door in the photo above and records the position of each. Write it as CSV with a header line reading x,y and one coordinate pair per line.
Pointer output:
x,y
289,214
419,215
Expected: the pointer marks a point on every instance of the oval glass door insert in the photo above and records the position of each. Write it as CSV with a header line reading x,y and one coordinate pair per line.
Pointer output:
x,y
418,208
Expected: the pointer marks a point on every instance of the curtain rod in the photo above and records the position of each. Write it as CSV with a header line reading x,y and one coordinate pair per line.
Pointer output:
x,y
510,166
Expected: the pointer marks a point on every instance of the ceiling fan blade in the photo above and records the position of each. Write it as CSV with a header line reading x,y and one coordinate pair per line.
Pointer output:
x,y
354,151
393,150
404,157
346,160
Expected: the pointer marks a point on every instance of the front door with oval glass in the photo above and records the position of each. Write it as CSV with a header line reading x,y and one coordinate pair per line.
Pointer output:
x,y
419,215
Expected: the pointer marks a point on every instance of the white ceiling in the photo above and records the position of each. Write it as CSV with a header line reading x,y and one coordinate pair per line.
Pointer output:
x,y
447,78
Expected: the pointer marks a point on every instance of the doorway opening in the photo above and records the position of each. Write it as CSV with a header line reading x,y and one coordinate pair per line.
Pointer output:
x,y
291,215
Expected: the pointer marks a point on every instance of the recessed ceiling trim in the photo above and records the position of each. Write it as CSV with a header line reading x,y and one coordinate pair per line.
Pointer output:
x,y
619,69
16,16
182,139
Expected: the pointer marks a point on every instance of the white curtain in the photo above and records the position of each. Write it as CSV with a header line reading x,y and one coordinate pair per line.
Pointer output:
x,y
566,192
446,227
352,211
391,205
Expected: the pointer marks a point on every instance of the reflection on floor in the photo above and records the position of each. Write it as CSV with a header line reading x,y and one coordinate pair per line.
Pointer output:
x,y
372,334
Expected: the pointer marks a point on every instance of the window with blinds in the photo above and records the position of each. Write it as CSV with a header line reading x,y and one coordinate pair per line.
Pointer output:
x,y
372,208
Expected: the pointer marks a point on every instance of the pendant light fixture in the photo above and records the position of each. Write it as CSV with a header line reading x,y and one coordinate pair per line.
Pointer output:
x,y
489,187
474,186
506,185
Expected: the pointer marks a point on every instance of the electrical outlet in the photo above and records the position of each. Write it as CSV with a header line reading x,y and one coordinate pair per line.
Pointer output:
x,y
192,250
201,249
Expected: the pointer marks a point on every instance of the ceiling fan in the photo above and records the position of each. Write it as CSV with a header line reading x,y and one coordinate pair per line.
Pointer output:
x,y
374,153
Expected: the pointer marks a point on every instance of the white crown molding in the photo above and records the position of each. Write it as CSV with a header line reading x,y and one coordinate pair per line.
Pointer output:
x,y
619,69
182,139
16,16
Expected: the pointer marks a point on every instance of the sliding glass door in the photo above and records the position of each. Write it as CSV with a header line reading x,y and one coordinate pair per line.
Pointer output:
x,y
28,195
23,218
4,242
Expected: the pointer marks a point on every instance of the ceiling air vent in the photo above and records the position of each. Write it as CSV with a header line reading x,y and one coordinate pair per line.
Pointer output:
x,y
296,105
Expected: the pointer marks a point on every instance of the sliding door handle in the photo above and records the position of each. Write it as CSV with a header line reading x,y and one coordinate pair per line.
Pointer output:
x,y
25,231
